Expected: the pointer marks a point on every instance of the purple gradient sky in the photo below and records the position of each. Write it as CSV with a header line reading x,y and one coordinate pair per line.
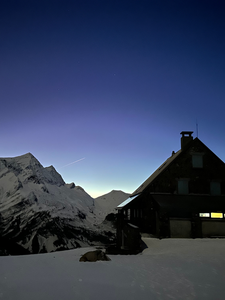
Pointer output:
x,y
114,82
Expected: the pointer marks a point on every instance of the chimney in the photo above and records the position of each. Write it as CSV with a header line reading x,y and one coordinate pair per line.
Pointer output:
x,y
186,138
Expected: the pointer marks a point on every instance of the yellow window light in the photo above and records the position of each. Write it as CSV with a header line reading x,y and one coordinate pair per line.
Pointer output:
x,y
216,215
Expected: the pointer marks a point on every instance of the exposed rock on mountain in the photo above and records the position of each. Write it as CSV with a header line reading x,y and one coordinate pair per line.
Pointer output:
x,y
40,213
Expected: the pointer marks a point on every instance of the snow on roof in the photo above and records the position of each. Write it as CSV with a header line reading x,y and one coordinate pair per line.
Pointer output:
x,y
124,203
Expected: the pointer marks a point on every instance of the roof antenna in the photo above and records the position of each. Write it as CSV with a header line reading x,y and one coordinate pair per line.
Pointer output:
x,y
197,127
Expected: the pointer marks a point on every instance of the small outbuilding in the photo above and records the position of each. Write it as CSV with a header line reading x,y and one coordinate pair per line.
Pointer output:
x,y
184,197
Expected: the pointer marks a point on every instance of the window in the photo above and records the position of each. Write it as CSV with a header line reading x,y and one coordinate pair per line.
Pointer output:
x,y
197,160
217,215
215,189
183,186
137,213
204,215
128,214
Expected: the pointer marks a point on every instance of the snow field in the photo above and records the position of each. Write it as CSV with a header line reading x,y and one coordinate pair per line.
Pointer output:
x,y
167,269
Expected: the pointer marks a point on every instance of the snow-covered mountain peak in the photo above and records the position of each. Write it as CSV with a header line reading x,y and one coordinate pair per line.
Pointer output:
x,y
39,211
23,160
27,168
56,177
107,203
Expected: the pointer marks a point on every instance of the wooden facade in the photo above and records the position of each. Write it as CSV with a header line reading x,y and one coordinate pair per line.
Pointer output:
x,y
184,197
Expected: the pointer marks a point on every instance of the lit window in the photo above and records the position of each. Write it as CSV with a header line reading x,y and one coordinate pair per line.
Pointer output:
x,y
183,186
215,188
197,161
216,215
204,215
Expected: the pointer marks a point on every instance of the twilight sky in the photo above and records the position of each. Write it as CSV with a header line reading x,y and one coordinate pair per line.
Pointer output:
x,y
102,89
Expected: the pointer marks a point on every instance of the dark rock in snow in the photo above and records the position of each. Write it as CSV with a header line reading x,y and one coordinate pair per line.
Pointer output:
x,y
93,256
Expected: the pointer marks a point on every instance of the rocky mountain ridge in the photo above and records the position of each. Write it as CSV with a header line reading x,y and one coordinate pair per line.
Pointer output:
x,y
39,212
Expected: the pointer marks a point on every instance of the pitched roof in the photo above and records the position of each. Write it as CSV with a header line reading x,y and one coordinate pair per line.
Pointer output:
x,y
127,201
141,188
154,175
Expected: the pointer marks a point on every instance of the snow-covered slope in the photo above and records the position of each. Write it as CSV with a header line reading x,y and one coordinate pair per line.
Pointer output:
x,y
39,212
107,203
181,269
